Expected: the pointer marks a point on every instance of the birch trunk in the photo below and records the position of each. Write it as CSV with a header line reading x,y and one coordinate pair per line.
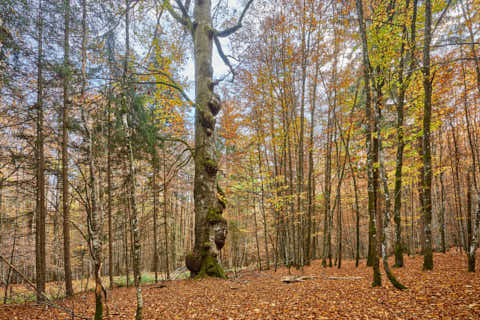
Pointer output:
x,y
136,245
93,216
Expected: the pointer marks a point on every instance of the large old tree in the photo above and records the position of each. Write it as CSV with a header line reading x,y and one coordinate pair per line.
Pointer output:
x,y
210,226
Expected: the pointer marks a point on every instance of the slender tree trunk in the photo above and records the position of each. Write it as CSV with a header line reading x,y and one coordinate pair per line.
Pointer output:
x,y
255,225
291,190
66,102
165,203
340,230
109,195
442,196
300,166
311,247
93,216
470,257
387,213
475,235
427,156
174,209
137,254
337,203
471,141
460,237
12,257
136,244
126,229
262,204
357,217
420,183
40,233
328,186
315,223
397,193
155,214
371,153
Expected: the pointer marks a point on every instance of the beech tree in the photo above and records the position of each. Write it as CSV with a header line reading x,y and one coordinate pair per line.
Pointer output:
x,y
210,226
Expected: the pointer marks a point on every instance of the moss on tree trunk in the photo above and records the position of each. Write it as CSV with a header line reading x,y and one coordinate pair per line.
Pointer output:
x,y
210,226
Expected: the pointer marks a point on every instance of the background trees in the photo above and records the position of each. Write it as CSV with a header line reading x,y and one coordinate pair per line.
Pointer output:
x,y
344,119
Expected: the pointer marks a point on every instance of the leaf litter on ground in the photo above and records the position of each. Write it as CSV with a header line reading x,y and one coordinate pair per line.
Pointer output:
x,y
447,292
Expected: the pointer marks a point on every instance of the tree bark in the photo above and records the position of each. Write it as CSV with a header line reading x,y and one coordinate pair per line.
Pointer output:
x,y
404,82
65,186
254,209
305,43
372,145
442,199
311,247
328,187
262,206
93,216
210,226
136,244
155,214
386,194
470,257
109,195
40,233
427,156
165,203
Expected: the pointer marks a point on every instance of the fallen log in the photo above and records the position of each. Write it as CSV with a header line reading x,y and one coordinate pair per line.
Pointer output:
x,y
293,279
344,278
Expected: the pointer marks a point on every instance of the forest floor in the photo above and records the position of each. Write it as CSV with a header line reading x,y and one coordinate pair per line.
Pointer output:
x,y
448,292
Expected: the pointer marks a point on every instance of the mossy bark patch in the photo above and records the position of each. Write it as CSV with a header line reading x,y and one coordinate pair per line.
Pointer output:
x,y
210,166
210,268
215,216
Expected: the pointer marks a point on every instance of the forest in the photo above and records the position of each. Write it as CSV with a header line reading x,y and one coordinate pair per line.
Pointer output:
x,y
239,159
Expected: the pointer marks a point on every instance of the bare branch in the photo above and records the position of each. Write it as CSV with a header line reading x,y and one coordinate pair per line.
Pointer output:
x,y
223,56
441,16
171,85
232,30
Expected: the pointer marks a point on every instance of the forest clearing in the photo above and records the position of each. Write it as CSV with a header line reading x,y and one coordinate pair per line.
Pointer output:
x,y
147,141
446,293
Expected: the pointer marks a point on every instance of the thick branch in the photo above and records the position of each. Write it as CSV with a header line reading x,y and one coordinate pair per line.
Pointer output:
x,y
183,9
184,20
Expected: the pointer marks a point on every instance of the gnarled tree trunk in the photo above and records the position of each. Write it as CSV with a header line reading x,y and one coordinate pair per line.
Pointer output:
x,y
210,226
